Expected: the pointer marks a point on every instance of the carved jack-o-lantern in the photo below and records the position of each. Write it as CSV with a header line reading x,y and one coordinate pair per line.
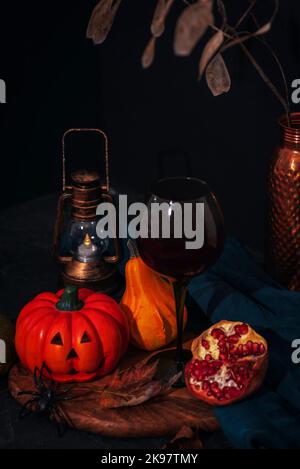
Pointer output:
x,y
78,335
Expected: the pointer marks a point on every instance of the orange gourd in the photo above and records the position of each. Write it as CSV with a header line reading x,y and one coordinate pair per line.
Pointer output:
x,y
149,304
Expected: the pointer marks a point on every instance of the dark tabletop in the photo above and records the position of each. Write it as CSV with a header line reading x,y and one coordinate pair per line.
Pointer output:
x,y
26,269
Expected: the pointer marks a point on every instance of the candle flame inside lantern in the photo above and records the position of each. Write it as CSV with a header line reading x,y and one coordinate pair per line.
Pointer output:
x,y
87,251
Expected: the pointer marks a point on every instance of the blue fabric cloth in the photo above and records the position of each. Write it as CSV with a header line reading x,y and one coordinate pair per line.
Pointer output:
x,y
237,289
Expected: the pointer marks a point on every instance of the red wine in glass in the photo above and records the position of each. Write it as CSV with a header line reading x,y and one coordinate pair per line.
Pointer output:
x,y
170,255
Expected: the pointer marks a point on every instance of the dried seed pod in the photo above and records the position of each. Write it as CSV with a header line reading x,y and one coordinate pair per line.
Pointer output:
x,y
217,76
210,50
160,14
192,25
102,20
149,53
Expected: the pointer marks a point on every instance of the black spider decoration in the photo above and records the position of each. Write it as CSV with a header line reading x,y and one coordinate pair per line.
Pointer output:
x,y
46,400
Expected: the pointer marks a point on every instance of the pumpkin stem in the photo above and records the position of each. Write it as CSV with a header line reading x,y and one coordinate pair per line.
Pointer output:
x,y
133,249
69,300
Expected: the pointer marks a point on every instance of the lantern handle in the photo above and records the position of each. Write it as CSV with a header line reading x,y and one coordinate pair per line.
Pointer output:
x,y
106,157
67,194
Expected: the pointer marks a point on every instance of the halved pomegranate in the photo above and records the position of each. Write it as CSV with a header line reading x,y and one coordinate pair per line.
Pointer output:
x,y
229,362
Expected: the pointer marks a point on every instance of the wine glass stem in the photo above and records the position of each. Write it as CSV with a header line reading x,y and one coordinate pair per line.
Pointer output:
x,y
180,291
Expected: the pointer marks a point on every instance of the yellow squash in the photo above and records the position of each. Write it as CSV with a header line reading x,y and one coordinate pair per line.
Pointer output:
x,y
149,304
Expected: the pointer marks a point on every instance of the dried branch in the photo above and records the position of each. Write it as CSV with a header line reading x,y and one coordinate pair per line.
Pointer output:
x,y
191,26
238,40
265,78
286,89
245,14
223,13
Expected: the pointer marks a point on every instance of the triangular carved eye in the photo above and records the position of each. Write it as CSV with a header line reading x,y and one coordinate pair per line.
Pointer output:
x,y
57,340
85,338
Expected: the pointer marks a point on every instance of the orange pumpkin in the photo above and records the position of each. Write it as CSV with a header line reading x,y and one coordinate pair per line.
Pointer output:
x,y
79,335
149,304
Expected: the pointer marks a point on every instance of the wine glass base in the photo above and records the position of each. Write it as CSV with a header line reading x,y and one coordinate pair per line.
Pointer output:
x,y
168,365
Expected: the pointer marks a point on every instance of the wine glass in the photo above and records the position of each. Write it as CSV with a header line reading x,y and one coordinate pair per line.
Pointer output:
x,y
170,251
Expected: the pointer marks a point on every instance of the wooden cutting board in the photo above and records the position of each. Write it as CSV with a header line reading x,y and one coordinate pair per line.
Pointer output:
x,y
160,416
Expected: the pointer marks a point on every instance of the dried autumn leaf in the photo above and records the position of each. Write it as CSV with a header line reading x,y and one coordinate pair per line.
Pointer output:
x,y
192,25
210,49
102,19
217,76
186,439
135,393
149,53
134,396
139,374
160,14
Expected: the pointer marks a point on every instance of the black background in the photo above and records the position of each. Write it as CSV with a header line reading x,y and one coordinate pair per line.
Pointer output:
x,y
160,121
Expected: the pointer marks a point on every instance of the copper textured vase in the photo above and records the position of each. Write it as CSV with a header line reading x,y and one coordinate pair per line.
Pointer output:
x,y
283,249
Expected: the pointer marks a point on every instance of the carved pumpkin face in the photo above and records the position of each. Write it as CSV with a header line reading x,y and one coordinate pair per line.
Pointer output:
x,y
78,339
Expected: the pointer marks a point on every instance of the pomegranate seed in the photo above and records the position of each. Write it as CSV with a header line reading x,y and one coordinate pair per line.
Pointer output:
x,y
250,346
233,339
244,329
262,348
208,357
218,394
245,349
237,329
240,349
234,392
205,386
222,356
255,348
205,344
217,333
209,393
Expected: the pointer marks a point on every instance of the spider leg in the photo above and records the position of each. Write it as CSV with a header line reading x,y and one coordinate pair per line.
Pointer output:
x,y
28,393
64,391
25,410
66,417
69,398
60,420
38,379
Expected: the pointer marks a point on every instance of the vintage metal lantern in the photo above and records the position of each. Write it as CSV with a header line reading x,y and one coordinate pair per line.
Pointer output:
x,y
85,257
